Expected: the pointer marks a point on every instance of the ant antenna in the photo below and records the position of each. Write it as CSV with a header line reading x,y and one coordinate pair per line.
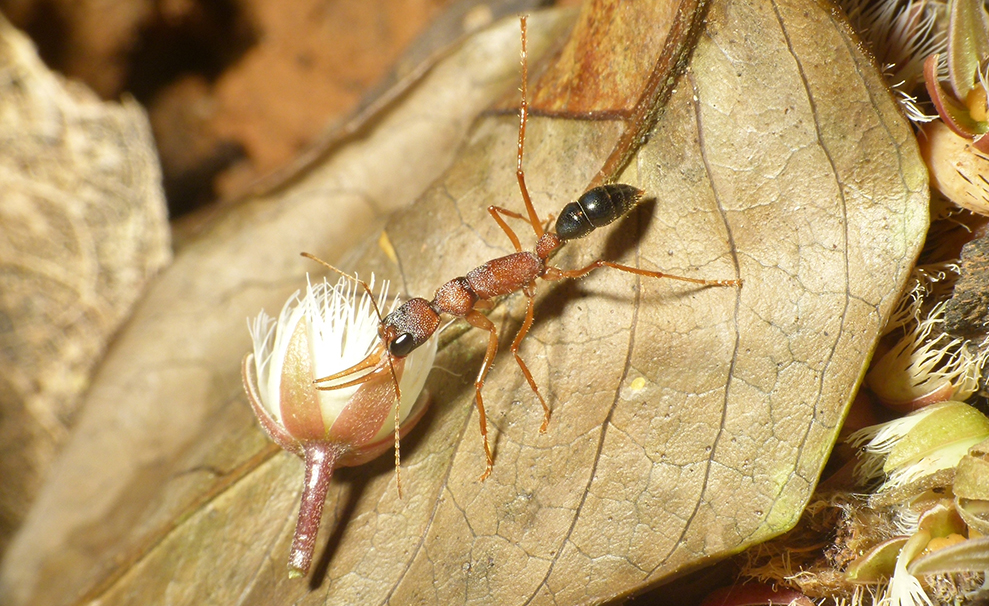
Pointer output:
x,y
523,119
391,365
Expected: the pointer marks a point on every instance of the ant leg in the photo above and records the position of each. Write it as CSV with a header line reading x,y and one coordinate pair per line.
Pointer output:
x,y
555,273
479,320
495,210
526,325
537,226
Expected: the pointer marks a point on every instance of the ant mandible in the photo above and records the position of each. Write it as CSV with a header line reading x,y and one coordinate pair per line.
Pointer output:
x,y
411,325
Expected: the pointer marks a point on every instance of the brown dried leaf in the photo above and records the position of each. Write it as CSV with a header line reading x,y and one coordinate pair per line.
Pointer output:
x,y
83,230
688,423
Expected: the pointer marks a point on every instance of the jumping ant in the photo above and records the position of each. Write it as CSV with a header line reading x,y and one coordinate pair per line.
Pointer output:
x,y
411,325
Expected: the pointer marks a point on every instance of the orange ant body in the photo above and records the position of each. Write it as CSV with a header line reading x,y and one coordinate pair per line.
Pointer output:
x,y
411,325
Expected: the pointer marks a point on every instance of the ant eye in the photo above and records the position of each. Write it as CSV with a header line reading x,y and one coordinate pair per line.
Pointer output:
x,y
402,345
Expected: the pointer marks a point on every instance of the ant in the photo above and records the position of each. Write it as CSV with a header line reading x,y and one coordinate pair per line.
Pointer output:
x,y
411,325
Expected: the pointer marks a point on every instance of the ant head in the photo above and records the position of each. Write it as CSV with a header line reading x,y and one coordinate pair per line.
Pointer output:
x,y
408,327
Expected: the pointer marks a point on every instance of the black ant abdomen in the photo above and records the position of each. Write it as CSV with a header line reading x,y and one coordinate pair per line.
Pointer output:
x,y
595,208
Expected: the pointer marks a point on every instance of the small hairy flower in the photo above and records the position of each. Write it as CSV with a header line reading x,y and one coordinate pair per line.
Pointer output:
x,y
331,423
919,444
921,369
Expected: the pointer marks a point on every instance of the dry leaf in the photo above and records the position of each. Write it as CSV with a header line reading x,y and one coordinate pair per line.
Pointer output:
x,y
688,423
83,230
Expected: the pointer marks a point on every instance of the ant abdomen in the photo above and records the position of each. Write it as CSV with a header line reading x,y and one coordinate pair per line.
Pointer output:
x,y
595,208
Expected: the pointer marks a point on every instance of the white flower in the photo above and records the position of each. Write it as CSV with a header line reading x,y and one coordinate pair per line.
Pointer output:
x,y
329,332
334,331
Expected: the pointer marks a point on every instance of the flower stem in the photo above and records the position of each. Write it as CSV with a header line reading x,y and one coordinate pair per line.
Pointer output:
x,y
320,459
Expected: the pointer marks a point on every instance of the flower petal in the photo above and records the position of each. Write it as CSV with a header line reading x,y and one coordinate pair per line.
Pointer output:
x,y
362,418
301,414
